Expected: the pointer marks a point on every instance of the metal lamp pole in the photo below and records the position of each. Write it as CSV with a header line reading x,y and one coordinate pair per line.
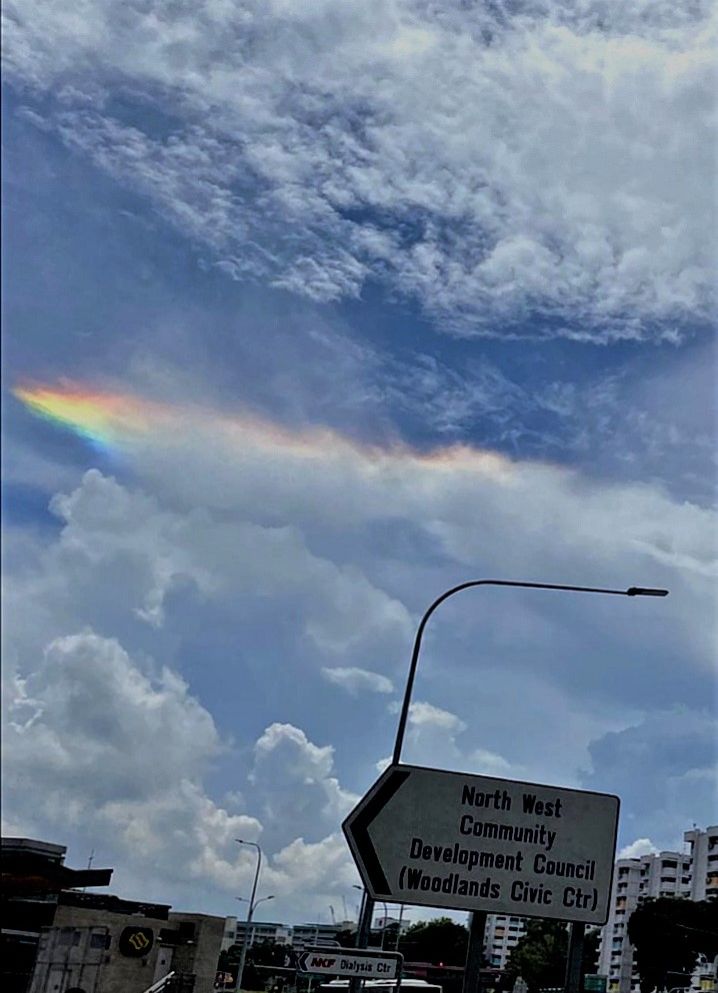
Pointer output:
x,y
398,933
250,911
383,930
472,976
361,913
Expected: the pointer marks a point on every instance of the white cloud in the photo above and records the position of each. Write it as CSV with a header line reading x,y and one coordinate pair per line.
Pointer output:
x,y
294,785
425,715
356,680
109,747
88,713
431,738
123,755
641,846
533,686
316,869
494,166
118,548
491,764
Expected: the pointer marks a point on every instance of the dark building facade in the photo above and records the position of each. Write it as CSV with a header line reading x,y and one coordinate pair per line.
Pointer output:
x,y
58,938
33,877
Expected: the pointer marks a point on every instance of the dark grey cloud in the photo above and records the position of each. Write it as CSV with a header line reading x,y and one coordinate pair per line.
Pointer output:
x,y
665,769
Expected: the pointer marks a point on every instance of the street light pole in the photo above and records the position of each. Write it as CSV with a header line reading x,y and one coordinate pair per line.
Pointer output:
x,y
250,911
401,729
383,930
398,933
472,974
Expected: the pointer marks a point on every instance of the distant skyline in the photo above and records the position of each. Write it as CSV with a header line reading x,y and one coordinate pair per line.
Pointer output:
x,y
312,311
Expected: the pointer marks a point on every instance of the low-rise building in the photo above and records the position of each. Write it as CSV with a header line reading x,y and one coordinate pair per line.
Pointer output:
x,y
304,935
108,945
235,932
34,875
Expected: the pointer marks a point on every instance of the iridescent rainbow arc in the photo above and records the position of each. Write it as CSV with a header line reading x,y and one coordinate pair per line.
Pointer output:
x,y
105,419
116,421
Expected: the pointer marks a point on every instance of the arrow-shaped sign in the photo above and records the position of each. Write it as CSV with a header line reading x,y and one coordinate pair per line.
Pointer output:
x,y
351,962
364,815
449,839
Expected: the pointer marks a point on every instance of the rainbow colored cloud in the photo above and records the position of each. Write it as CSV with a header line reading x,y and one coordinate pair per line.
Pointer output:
x,y
117,421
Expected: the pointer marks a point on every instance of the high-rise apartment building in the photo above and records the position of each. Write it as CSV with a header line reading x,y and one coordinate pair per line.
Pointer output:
x,y
703,846
500,938
692,875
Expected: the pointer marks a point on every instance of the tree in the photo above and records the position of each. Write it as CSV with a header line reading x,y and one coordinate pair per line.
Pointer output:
x,y
263,953
540,955
391,934
269,952
440,941
669,935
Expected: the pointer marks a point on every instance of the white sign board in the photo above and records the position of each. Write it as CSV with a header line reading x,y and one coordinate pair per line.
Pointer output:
x,y
351,962
445,839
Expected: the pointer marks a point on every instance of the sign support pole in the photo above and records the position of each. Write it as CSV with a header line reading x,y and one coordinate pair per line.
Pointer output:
x,y
475,950
475,953
362,939
575,958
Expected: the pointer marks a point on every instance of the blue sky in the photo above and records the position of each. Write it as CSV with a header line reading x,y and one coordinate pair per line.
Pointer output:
x,y
459,261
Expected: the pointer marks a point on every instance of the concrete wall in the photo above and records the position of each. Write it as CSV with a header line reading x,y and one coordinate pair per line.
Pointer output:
x,y
62,964
82,950
202,957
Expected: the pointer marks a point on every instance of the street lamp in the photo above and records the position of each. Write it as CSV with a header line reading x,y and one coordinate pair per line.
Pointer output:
x,y
243,899
250,911
249,936
478,920
383,930
398,930
361,918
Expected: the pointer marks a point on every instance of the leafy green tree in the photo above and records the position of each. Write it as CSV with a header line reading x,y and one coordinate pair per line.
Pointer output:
x,y
264,953
270,952
669,935
440,941
540,955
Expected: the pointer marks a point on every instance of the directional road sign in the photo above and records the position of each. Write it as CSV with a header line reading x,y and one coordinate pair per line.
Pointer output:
x,y
595,983
351,962
448,839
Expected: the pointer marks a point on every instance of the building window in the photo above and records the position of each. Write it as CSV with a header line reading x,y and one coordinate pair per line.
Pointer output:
x,y
98,939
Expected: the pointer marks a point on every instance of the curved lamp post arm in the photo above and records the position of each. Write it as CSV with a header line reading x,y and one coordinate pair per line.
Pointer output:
x,y
261,900
401,729
250,911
